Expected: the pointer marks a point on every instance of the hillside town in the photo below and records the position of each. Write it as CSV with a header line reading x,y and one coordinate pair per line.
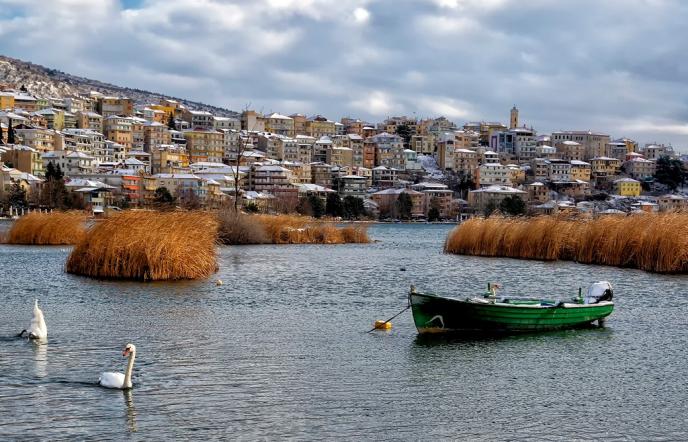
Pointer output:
x,y
102,153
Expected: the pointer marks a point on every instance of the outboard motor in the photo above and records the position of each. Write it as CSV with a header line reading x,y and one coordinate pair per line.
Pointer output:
x,y
598,292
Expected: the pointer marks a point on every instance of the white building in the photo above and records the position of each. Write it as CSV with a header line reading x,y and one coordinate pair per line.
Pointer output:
x,y
71,163
490,174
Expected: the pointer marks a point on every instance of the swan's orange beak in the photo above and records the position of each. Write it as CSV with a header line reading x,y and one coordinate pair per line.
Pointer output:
x,y
125,352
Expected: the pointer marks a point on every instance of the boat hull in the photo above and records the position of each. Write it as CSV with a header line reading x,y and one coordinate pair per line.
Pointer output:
x,y
435,314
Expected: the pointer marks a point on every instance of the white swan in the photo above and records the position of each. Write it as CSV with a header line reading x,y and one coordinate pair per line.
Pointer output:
x,y
119,380
37,329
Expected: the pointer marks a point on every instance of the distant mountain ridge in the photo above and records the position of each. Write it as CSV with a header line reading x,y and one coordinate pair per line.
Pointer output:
x,y
47,83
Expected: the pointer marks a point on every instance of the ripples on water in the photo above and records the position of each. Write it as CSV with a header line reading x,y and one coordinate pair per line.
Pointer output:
x,y
280,350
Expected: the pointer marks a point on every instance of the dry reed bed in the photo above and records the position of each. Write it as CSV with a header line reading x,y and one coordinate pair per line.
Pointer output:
x,y
651,242
289,229
148,246
285,229
57,228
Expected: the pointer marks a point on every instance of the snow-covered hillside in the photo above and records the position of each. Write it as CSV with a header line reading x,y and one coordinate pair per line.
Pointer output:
x,y
47,83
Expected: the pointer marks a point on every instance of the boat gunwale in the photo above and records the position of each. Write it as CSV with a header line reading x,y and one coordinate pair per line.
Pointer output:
x,y
565,305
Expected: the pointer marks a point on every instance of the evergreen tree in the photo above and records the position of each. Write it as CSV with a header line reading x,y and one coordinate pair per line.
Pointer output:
x,y
50,171
170,122
405,132
490,207
671,173
352,207
333,205
512,205
59,175
11,138
162,197
316,205
404,205
54,194
434,212
252,207
17,196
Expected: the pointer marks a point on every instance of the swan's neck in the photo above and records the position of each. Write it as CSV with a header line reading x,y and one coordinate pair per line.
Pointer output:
x,y
130,367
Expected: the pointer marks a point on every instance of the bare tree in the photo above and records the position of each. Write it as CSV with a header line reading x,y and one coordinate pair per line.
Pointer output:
x,y
243,147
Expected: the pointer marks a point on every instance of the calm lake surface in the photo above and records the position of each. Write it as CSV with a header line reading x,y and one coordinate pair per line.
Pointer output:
x,y
281,350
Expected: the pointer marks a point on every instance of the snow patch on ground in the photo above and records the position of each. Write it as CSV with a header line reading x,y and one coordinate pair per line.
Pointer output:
x,y
430,166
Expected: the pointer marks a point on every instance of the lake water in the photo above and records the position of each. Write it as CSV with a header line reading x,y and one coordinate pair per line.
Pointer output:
x,y
281,350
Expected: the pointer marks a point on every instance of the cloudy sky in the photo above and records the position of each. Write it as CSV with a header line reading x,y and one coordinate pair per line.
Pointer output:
x,y
615,65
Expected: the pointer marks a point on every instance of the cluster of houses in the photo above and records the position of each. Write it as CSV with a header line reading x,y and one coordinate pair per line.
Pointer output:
x,y
112,151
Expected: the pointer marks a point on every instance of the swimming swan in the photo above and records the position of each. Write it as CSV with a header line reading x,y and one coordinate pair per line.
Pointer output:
x,y
119,380
37,329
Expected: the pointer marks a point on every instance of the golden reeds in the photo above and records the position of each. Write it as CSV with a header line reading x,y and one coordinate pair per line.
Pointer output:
x,y
55,228
285,229
148,246
290,229
652,242
238,228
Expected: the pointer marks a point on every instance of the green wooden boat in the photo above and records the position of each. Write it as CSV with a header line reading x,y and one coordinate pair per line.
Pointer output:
x,y
438,314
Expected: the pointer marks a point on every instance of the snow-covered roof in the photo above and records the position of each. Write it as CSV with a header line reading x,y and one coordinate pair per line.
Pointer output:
x,y
177,176
138,153
498,189
426,185
276,116
252,154
272,168
25,176
397,192
673,197
82,182
307,187
80,155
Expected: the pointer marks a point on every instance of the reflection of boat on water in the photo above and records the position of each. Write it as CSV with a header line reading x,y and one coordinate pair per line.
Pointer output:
x,y
438,314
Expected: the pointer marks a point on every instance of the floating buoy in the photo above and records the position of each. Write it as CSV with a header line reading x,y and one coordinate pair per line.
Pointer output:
x,y
383,325
218,282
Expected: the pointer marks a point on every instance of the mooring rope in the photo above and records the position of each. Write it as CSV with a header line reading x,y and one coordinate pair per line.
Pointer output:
x,y
405,308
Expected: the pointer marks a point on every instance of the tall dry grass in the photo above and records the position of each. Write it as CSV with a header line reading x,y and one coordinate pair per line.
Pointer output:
x,y
652,242
57,228
238,228
290,229
148,246
285,229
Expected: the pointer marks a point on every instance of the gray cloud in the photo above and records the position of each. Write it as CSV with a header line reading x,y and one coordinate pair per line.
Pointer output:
x,y
614,66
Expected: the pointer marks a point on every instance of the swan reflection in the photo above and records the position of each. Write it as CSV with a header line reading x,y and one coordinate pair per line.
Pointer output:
x,y
131,410
40,355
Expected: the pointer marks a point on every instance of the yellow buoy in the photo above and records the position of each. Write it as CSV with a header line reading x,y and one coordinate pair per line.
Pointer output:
x,y
382,325
218,282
